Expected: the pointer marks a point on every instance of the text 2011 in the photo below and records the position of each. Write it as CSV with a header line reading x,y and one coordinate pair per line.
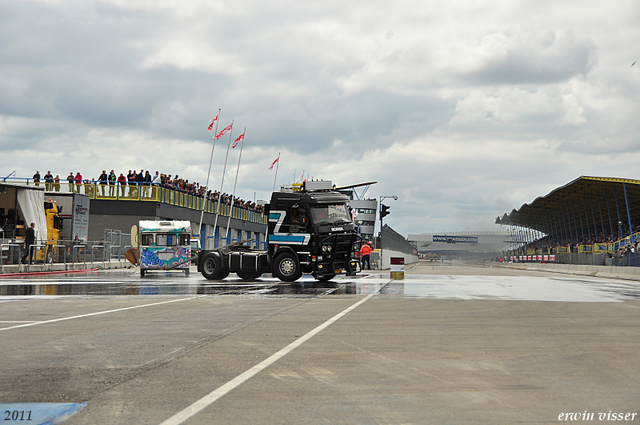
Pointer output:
x,y
17,415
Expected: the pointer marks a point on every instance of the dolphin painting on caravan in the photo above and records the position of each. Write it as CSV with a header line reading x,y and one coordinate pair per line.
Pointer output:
x,y
164,245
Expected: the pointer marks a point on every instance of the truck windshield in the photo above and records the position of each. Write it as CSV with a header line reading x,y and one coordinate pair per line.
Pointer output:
x,y
331,213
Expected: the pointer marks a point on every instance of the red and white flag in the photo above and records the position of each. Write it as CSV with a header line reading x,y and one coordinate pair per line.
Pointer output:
x,y
235,142
224,130
274,163
213,121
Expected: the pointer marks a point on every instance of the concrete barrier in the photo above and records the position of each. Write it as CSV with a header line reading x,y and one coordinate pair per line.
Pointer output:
x,y
611,272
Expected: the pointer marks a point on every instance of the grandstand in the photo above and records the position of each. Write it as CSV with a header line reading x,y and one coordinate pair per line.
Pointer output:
x,y
591,220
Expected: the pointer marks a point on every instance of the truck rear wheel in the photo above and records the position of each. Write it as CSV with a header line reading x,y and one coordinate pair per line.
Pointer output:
x,y
211,267
286,267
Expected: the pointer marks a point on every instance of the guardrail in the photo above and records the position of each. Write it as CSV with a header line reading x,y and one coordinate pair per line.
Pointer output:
x,y
13,253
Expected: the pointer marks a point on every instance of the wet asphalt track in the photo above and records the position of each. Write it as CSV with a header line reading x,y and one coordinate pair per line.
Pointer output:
x,y
446,345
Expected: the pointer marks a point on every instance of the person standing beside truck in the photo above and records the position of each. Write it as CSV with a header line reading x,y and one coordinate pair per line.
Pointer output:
x,y
365,256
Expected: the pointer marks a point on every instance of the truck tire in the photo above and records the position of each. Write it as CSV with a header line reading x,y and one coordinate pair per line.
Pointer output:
x,y
211,267
248,275
286,267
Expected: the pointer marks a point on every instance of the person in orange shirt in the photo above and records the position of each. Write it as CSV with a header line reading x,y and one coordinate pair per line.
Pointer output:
x,y
365,253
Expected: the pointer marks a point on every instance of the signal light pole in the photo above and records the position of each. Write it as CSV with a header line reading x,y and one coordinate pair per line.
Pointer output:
x,y
384,211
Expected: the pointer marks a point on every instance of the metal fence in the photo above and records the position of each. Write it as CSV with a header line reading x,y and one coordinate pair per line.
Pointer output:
x,y
68,253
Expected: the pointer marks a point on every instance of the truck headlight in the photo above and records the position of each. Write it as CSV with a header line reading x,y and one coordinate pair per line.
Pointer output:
x,y
326,248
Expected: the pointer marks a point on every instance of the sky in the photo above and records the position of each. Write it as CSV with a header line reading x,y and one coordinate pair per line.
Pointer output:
x,y
463,109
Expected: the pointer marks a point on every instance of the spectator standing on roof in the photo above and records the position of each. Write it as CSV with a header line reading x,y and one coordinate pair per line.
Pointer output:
x,y
78,180
131,179
122,181
147,183
48,179
36,178
70,179
112,182
155,181
139,180
56,183
103,181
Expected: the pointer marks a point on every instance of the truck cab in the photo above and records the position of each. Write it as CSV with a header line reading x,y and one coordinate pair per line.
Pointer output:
x,y
310,230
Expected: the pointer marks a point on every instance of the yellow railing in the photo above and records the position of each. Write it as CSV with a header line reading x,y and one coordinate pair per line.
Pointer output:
x,y
164,195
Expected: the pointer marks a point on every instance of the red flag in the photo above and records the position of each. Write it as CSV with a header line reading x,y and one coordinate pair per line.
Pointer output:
x,y
235,142
213,121
274,163
224,130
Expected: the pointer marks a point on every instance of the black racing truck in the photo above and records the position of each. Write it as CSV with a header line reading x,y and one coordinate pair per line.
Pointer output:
x,y
310,230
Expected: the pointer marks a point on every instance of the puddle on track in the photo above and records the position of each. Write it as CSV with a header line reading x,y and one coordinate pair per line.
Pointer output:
x,y
105,283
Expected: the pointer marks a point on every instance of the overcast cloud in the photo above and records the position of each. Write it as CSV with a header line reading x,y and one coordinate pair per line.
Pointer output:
x,y
463,109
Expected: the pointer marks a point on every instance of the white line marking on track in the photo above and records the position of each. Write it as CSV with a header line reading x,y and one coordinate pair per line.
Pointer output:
x,y
97,313
216,394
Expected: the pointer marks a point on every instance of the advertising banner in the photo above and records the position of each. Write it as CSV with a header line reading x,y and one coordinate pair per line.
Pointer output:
x,y
455,239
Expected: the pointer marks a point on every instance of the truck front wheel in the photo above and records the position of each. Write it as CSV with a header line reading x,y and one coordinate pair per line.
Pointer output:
x,y
286,267
211,267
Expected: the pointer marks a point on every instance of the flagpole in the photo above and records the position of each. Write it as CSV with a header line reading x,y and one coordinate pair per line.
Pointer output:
x,y
206,185
224,171
276,176
233,194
